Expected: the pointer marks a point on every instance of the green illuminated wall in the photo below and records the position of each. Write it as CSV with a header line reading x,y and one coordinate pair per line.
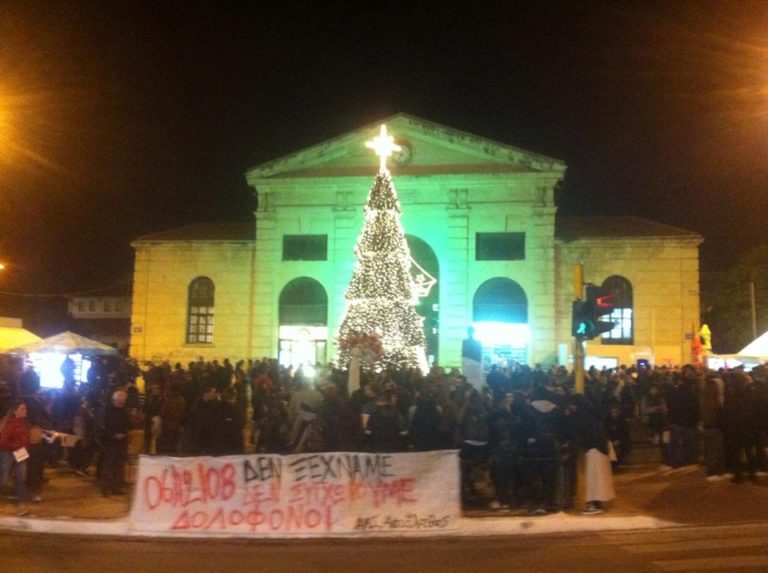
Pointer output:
x,y
454,186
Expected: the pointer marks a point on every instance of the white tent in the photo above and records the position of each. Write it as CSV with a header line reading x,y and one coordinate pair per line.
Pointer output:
x,y
47,356
753,354
67,343
758,348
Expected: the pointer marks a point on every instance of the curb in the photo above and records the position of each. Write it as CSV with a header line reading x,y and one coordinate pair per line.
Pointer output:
x,y
468,527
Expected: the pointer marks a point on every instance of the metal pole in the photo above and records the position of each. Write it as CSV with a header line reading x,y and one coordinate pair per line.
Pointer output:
x,y
578,379
578,365
754,310
578,345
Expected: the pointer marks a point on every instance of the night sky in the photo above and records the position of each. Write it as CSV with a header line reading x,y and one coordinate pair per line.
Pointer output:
x,y
122,119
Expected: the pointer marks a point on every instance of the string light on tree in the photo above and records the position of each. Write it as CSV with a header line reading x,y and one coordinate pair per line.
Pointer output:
x,y
382,292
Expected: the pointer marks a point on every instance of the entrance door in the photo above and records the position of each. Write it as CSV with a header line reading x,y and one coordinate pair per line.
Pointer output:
x,y
303,315
500,318
302,345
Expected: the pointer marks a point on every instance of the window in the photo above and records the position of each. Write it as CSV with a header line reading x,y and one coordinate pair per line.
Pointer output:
x,y
92,306
200,311
107,306
303,301
305,247
500,246
118,306
80,307
622,333
500,300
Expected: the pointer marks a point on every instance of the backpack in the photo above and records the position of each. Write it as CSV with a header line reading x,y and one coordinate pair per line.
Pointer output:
x,y
384,427
425,427
313,439
545,428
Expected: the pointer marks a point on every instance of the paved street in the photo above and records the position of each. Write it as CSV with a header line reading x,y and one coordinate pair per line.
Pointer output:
x,y
719,548
715,549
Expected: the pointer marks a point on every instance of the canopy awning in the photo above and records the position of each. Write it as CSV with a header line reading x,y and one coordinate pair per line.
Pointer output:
x,y
67,343
12,336
757,348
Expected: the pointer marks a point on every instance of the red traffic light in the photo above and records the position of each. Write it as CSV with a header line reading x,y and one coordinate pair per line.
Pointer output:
x,y
605,301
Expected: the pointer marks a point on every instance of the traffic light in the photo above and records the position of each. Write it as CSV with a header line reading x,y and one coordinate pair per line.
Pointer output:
x,y
585,318
580,319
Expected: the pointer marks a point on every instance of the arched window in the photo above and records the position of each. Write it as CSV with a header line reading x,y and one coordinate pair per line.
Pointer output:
x,y
621,289
500,300
303,301
200,311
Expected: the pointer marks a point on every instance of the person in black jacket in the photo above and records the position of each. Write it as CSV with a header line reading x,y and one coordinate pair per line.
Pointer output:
x,y
202,433
712,401
231,440
618,433
682,399
386,426
425,423
543,431
153,403
505,440
742,422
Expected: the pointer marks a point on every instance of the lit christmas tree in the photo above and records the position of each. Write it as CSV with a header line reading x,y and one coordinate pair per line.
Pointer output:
x,y
382,293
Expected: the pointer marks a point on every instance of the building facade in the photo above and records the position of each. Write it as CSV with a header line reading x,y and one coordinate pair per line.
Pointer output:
x,y
105,318
479,217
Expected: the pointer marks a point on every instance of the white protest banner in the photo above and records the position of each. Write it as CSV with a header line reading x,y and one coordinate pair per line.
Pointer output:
x,y
333,493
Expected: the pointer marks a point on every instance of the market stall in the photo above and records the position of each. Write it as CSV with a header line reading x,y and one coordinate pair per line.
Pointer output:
x,y
49,354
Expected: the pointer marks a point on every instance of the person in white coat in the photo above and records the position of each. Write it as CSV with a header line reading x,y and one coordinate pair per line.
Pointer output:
x,y
590,435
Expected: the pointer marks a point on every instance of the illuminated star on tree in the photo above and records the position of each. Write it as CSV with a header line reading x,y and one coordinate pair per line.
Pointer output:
x,y
383,145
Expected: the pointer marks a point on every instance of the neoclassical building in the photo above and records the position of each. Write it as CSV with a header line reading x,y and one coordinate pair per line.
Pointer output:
x,y
479,216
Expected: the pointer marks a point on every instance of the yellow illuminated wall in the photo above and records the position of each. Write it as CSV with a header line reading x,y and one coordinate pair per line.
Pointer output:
x,y
162,273
664,273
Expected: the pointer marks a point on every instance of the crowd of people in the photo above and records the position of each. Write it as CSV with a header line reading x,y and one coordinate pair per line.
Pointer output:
x,y
524,430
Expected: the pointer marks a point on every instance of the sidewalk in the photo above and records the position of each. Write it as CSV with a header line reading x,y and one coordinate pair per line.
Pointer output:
x,y
68,496
647,499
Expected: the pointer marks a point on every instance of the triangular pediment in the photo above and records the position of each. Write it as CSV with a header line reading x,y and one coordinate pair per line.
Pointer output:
x,y
429,148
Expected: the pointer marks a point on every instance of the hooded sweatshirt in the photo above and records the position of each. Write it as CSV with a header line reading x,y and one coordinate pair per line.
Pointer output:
x,y
15,435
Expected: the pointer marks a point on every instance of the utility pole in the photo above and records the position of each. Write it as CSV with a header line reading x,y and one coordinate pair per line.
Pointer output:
x,y
753,308
578,378
578,344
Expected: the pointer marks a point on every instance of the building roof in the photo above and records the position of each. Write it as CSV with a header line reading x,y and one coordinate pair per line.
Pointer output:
x,y
479,152
570,228
204,232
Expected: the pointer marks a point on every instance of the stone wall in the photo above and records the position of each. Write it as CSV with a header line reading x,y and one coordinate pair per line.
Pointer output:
x,y
445,211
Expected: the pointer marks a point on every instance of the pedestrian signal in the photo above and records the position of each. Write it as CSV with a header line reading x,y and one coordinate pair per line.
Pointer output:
x,y
585,317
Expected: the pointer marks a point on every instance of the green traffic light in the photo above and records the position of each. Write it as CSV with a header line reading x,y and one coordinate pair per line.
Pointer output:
x,y
585,328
